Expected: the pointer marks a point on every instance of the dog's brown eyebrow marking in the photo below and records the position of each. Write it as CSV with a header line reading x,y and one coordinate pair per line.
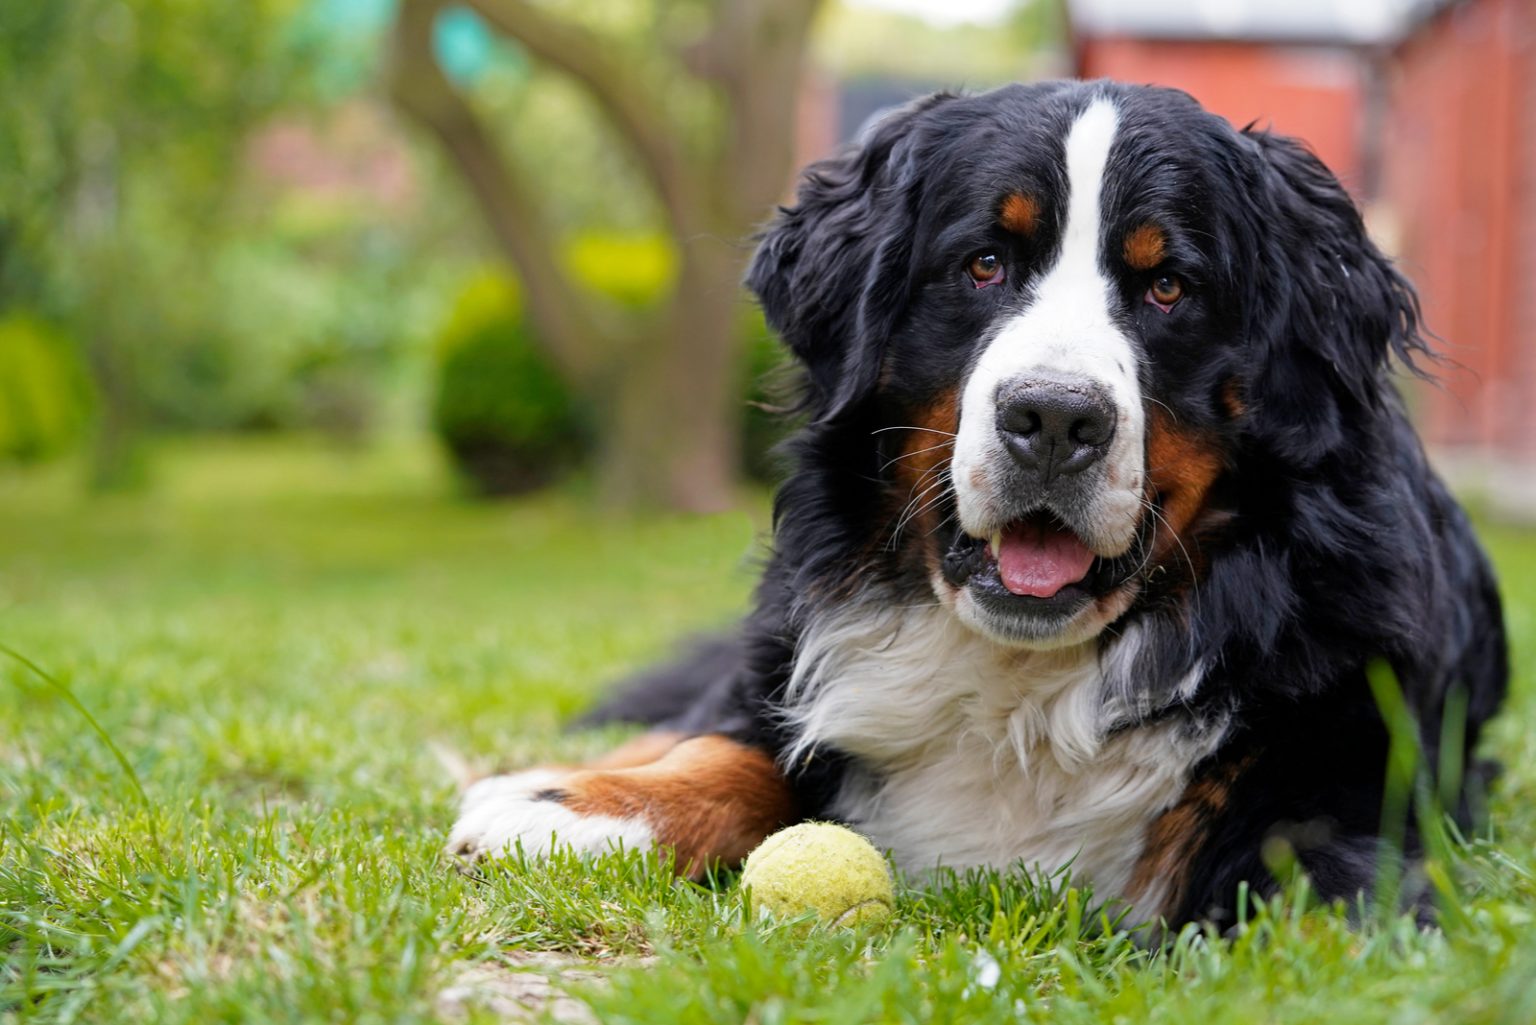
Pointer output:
x,y
1020,213
1144,247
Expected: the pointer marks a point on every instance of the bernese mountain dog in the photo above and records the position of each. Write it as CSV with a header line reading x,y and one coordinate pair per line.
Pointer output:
x,y
1103,511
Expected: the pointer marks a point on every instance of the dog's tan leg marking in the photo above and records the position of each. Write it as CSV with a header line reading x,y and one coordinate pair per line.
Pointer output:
x,y
709,799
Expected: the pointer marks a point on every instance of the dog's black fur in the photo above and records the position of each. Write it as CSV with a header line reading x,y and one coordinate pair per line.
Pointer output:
x,y
1325,543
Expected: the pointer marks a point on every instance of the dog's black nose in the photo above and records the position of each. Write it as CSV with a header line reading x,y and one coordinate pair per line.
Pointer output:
x,y
1054,426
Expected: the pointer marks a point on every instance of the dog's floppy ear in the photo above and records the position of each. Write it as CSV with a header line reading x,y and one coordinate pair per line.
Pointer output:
x,y
832,270
1327,307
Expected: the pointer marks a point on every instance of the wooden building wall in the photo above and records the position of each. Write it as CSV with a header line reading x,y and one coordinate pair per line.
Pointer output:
x,y
1459,170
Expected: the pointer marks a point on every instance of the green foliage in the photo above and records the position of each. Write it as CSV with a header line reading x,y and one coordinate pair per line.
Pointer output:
x,y
206,297
45,395
509,419
870,42
296,326
106,102
501,408
634,271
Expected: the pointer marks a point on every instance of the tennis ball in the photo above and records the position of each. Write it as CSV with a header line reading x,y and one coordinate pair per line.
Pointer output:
x,y
820,867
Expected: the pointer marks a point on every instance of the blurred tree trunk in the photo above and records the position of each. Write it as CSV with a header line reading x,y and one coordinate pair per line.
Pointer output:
x,y
116,458
670,385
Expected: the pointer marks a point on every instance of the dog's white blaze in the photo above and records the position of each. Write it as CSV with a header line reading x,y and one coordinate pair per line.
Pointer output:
x,y
500,813
971,753
1067,329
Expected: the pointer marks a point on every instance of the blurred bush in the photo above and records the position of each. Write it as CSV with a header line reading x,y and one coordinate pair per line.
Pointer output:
x,y
233,243
45,393
635,271
300,326
506,417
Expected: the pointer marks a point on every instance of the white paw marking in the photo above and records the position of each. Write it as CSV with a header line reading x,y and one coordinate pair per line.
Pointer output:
x,y
501,813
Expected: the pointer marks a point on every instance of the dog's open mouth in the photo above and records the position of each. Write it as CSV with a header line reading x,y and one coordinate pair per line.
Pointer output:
x,y
1037,560
1037,557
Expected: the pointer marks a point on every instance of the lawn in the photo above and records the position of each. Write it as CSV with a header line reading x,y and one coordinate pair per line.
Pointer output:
x,y
277,635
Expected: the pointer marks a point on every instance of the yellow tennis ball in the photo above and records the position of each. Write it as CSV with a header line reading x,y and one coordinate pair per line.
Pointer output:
x,y
820,867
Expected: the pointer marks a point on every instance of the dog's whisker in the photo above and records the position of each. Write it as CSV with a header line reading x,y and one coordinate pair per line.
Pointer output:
x,y
914,427
912,509
911,455
1194,575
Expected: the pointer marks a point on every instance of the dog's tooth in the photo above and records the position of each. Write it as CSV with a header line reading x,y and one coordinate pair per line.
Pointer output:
x,y
995,546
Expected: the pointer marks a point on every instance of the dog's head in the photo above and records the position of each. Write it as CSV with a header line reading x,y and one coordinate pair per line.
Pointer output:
x,y
1061,314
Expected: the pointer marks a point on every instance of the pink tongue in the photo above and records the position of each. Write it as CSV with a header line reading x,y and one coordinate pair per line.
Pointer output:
x,y
1040,560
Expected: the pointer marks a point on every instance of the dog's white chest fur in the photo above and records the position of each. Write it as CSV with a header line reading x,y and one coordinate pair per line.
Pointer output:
x,y
974,754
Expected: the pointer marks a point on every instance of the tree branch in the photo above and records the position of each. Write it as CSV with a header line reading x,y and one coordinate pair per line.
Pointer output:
x,y
756,54
625,97
572,333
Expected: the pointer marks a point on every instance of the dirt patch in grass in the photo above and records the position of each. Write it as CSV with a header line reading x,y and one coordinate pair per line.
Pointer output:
x,y
522,987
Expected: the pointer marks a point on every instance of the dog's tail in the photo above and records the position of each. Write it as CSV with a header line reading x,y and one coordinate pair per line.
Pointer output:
x,y
678,694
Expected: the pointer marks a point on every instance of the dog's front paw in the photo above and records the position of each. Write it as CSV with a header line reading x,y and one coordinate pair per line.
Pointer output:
x,y
529,810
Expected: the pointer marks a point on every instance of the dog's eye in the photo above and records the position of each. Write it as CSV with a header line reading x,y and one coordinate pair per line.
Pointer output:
x,y
1165,291
986,269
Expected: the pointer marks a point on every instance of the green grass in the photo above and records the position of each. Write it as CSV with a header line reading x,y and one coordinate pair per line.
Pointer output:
x,y
275,637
